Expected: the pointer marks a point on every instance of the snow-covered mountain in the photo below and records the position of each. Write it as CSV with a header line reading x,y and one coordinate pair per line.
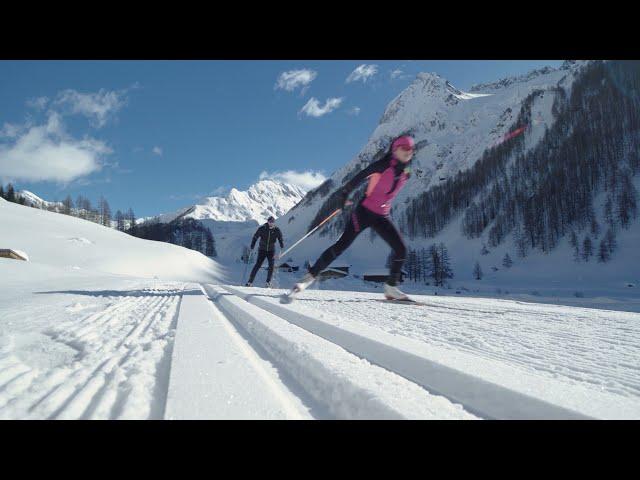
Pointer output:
x,y
454,131
451,128
233,218
33,200
263,199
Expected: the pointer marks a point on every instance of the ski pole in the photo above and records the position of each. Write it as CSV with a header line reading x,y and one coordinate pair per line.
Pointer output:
x,y
282,254
246,265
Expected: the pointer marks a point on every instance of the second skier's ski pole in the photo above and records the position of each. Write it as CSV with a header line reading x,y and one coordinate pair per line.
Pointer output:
x,y
244,275
282,254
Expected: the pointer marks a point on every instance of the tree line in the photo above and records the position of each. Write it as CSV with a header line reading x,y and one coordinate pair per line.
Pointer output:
x,y
186,232
81,208
431,263
541,195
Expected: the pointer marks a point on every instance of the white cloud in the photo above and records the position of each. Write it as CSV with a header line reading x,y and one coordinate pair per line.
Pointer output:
x,y
293,79
10,130
157,151
313,109
306,180
38,103
354,111
47,153
363,72
396,73
98,107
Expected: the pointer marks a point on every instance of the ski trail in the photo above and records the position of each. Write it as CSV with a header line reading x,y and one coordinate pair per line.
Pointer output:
x,y
217,374
569,344
110,361
567,379
346,385
276,389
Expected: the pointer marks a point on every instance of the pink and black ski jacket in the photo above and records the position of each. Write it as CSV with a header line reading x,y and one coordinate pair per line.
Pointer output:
x,y
387,176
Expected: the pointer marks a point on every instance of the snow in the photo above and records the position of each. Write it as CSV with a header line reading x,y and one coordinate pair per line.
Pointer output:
x,y
33,199
75,344
584,360
86,327
350,387
63,241
246,387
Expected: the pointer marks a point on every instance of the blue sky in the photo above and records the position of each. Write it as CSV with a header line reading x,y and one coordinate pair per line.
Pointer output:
x,y
157,135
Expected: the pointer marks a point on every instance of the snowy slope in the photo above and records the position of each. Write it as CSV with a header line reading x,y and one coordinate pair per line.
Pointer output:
x,y
87,325
71,243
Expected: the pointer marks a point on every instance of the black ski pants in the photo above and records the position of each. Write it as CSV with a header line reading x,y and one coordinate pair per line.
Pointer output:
x,y
262,254
361,219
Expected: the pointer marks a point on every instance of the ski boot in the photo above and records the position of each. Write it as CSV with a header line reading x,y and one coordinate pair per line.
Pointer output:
x,y
267,285
391,292
307,280
248,284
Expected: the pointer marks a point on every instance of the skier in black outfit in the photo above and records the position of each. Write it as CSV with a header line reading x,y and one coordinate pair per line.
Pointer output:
x,y
386,177
268,234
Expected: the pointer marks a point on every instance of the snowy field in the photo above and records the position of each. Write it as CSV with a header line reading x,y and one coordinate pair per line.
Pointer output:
x,y
101,325
583,359
81,346
87,325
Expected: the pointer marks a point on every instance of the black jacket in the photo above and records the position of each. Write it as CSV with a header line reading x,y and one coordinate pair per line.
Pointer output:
x,y
267,237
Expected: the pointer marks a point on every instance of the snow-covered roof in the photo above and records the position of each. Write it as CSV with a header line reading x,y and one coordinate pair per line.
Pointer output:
x,y
376,272
13,253
334,271
381,272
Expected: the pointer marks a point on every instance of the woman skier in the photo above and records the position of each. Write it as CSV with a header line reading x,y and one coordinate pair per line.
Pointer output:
x,y
386,176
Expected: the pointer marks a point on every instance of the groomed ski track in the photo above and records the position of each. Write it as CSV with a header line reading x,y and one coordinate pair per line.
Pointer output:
x,y
234,360
289,361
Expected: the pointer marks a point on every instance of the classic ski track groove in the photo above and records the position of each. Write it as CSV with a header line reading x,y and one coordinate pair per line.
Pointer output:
x,y
347,385
488,340
97,383
528,406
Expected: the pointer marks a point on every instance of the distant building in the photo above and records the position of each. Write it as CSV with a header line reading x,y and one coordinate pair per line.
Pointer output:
x,y
331,273
344,268
285,267
381,276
